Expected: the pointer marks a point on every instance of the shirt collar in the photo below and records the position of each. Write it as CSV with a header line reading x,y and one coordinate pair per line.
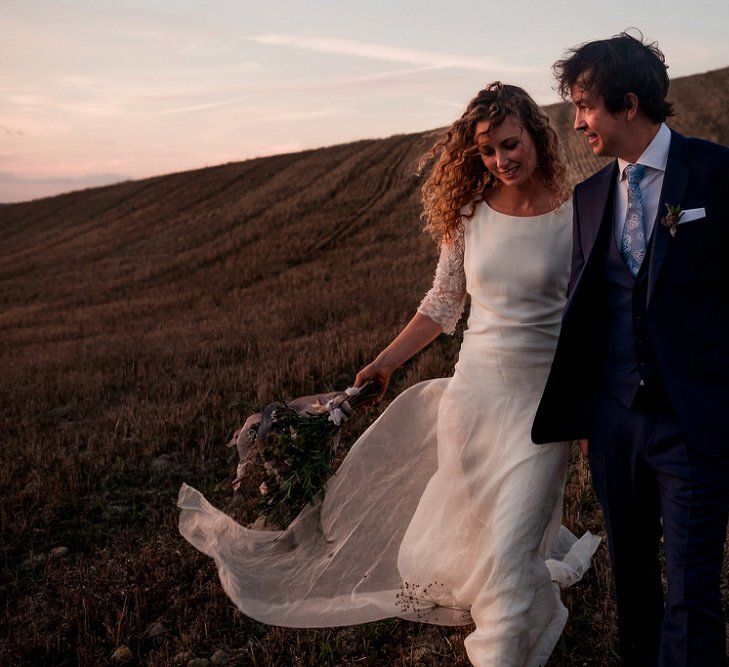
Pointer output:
x,y
655,155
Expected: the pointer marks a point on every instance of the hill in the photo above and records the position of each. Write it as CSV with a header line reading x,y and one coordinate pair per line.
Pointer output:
x,y
140,321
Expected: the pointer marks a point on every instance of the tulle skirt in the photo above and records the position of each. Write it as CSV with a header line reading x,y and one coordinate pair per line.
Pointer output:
x,y
443,511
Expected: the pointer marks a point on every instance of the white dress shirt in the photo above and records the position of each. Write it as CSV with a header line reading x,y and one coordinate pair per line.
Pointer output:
x,y
654,159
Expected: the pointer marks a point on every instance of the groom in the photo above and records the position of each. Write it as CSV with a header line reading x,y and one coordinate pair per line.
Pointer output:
x,y
641,371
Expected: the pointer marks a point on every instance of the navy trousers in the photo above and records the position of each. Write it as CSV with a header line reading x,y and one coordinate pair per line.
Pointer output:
x,y
652,483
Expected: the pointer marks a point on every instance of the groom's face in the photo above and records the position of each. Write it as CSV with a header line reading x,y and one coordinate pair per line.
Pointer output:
x,y
602,129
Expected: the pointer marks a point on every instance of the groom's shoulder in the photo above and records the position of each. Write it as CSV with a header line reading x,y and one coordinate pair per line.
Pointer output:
x,y
708,152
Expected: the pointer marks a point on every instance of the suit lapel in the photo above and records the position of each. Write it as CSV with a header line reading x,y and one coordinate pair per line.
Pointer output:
x,y
598,197
675,181
592,204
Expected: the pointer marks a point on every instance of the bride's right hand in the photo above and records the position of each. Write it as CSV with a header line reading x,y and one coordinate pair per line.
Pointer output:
x,y
377,371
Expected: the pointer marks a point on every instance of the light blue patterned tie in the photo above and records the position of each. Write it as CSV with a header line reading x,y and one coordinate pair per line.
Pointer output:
x,y
633,245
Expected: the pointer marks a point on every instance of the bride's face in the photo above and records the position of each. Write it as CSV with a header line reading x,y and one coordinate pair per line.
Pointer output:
x,y
507,151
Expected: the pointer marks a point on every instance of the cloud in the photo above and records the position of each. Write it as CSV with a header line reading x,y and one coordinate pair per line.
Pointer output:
x,y
82,81
87,180
376,51
99,107
18,125
305,115
262,114
14,188
433,100
393,74
276,149
208,105
261,91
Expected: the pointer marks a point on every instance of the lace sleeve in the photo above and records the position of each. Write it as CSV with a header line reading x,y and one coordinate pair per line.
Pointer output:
x,y
444,302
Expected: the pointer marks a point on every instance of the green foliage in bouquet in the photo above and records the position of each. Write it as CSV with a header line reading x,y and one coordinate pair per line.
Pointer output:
x,y
296,442
299,455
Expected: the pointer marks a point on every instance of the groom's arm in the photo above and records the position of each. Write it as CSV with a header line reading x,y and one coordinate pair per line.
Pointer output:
x,y
578,259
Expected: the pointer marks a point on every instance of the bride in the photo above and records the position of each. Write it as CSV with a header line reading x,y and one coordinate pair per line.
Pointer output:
x,y
444,511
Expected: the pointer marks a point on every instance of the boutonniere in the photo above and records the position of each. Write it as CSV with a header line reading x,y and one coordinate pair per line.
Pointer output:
x,y
672,217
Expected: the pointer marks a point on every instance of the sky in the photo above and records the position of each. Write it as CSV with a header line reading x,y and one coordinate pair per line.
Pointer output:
x,y
95,92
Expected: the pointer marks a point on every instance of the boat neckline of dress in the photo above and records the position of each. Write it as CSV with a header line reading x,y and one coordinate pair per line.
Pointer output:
x,y
525,217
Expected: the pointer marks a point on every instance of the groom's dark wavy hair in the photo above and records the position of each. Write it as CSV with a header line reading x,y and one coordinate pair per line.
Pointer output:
x,y
615,67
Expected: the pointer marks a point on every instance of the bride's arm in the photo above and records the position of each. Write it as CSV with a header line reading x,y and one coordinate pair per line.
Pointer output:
x,y
438,312
418,332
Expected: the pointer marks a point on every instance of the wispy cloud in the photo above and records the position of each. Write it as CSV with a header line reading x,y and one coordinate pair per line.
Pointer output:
x,y
448,103
399,54
16,188
260,91
98,107
80,181
81,81
18,125
393,74
262,114
305,115
276,149
207,105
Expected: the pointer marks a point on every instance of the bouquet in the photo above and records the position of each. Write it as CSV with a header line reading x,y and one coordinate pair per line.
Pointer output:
x,y
296,443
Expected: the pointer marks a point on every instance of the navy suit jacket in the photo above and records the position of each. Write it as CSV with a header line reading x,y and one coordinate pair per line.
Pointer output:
x,y
687,309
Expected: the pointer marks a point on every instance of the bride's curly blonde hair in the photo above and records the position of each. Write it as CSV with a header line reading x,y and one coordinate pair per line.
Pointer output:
x,y
459,177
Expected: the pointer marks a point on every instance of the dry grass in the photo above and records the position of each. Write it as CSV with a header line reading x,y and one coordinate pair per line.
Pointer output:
x,y
136,322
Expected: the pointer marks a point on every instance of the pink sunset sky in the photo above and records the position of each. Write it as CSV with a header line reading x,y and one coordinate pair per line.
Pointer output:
x,y
97,92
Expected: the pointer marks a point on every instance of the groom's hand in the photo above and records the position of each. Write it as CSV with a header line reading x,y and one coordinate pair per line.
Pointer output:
x,y
583,446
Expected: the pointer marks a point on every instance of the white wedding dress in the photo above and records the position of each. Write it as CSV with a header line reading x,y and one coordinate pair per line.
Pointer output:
x,y
443,511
